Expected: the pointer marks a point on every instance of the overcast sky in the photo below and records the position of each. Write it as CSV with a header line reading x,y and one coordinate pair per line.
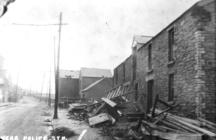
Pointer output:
x,y
99,33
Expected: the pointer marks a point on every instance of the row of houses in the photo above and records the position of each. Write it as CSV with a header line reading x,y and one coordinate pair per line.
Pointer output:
x,y
178,64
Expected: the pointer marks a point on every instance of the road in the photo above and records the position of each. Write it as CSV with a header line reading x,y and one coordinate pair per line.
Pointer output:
x,y
23,119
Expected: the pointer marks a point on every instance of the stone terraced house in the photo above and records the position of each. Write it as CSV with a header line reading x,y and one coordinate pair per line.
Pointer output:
x,y
178,64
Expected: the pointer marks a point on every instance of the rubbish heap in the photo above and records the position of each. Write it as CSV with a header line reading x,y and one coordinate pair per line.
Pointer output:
x,y
109,115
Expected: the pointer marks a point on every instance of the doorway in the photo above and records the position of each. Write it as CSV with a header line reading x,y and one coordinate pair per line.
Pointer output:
x,y
150,85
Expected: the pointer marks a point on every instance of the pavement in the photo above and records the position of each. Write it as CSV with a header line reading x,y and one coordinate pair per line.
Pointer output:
x,y
79,127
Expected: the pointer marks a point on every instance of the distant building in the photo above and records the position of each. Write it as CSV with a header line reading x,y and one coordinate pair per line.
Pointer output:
x,y
98,89
3,81
90,75
69,84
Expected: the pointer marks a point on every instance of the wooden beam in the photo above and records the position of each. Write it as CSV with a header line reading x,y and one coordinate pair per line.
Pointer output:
x,y
103,117
109,102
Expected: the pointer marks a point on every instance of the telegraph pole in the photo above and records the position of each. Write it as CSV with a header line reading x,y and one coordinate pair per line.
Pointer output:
x,y
17,88
58,59
42,87
49,98
57,71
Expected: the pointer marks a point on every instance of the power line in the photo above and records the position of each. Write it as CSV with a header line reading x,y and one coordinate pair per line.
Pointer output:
x,y
36,25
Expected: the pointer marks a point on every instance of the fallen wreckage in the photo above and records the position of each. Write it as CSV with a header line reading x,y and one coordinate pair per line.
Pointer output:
x,y
109,115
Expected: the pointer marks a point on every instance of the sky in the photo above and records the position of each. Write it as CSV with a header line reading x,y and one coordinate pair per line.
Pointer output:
x,y
97,33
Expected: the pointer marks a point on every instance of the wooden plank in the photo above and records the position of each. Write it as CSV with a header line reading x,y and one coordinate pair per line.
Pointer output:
x,y
204,131
121,91
109,102
182,127
157,111
195,122
176,136
99,108
103,117
189,125
207,122
124,98
116,93
173,126
113,93
108,94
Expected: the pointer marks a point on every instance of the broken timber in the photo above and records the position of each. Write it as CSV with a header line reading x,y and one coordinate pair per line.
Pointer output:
x,y
109,102
101,118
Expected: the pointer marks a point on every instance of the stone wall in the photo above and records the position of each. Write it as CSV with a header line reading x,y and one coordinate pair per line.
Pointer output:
x,y
193,65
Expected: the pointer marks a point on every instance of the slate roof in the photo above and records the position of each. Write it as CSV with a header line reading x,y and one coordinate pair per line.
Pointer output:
x,y
69,74
141,39
95,72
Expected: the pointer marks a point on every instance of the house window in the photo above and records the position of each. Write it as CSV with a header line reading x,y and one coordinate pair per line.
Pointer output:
x,y
171,87
134,68
150,57
116,76
124,78
136,91
171,44
150,88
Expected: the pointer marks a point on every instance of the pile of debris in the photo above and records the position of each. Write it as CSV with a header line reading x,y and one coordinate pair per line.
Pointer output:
x,y
109,115
78,111
169,126
63,132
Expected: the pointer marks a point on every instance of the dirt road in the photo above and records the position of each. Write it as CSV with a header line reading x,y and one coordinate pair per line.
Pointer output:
x,y
23,119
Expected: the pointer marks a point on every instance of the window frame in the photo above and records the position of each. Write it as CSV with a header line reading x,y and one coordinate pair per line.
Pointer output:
x,y
171,87
150,56
171,42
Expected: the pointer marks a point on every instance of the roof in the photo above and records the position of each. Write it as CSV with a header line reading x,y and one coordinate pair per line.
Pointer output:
x,y
69,74
95,72
140,39
199,3
93,84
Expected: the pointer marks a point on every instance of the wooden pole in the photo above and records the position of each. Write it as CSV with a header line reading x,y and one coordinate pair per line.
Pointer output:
x,y
17,83
49,98
41,98
57,72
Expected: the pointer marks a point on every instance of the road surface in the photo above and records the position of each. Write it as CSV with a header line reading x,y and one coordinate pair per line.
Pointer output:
x,y
23,119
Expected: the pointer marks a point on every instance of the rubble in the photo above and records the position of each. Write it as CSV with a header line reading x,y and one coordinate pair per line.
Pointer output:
x,y
109,115
78,111
63,132
101,118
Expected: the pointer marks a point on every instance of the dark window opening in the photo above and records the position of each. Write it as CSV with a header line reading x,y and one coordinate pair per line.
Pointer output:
x,y
116,76
150,57
124,72
150,87
171,44
171,87
134,68
136,91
